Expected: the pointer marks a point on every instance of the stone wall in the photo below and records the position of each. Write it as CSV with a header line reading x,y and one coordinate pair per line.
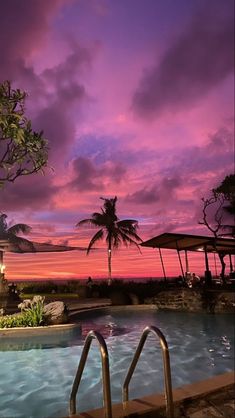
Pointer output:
x,y
194,300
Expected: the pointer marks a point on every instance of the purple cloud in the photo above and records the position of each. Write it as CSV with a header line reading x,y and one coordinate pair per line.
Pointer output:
x,y
31,192
160,192
23,27
201,58
87,176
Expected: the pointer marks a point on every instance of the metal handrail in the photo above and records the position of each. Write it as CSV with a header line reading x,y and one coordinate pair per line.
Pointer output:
x,y
105,373
167,369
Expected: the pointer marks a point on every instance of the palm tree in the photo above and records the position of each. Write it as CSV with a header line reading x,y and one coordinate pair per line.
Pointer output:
x,y
10,235
115,231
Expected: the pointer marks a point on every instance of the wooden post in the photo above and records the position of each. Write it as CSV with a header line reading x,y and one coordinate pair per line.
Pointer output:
x,y
181,265
163,268
186,261
230,263
208,278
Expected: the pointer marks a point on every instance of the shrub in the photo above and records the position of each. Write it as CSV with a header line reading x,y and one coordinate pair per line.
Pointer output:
x,y
32,314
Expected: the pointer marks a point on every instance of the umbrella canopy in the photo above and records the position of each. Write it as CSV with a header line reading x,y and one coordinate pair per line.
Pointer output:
x,y
34,247
37,247
188,242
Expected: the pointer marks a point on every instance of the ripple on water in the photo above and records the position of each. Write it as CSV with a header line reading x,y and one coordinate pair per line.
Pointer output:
x,y
200,346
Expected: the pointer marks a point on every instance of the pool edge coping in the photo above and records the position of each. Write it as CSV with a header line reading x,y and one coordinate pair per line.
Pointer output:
x,y
22,331
156,402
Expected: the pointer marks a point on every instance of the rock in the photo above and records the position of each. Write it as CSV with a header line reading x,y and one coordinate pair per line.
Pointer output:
x,y
134,299
119,298
56,313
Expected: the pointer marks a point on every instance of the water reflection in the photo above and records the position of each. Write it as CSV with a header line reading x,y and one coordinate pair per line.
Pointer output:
x,y
61,339
107,330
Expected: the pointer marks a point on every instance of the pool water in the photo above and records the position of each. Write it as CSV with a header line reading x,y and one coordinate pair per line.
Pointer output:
x,y
36,375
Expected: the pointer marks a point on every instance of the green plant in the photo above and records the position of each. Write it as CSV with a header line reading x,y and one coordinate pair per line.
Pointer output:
x,y
13,321
23,151
32,314
33,311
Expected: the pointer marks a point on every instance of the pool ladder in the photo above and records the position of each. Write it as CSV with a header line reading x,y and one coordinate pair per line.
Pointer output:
x,y
106,374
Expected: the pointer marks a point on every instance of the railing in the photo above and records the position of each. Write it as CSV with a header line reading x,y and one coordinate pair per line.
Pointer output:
x,y
167,370
105,373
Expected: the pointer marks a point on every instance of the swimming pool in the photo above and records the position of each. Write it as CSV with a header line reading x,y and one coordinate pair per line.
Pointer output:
x,y
36,375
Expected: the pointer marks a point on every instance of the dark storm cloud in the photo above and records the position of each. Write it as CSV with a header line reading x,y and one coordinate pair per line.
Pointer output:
x,y
215,155
23,26
53,94
160,192
67,93
201,58
87,176
32,192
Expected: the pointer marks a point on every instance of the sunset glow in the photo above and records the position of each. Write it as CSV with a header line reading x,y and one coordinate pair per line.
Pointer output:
x,y
136,99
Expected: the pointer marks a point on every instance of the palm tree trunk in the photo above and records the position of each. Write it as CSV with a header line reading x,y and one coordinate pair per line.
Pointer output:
x,y
1,266
223,266
3,283
1,258
109,266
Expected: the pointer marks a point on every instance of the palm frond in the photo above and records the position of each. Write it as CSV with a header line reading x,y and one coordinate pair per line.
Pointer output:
x,y
127,223
110,208
131,234
19,241
127,240
129,226
99,235
84,221
98,219
3,223
17,228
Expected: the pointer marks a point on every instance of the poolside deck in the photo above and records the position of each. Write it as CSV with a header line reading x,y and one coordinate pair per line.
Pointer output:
x,y
76,306
211,398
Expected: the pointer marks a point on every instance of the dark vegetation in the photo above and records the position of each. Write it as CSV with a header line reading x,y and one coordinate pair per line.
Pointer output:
x,y
102,289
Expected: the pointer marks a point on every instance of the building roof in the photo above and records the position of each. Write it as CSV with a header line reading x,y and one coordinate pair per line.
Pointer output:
x,y
187,242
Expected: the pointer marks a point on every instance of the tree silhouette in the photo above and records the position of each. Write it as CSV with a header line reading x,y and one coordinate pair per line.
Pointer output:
x,y
221,204
227,191
10,234
112,229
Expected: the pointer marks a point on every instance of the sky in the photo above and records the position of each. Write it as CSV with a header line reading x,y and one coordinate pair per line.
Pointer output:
x,y
135,98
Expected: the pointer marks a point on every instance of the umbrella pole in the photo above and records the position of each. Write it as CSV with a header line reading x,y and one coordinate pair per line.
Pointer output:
x,y
181,265
163,268
186,261
1,266
208,277
230,263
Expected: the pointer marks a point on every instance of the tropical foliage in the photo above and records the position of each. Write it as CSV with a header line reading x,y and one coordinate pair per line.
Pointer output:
x,y
219,207
226,191
10,235
217,211
32,314
112,229
22,150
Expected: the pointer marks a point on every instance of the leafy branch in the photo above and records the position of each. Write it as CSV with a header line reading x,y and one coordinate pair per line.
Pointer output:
x,y
22,150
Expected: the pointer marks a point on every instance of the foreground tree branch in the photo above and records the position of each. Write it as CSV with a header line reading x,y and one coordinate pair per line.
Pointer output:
x,y
22,150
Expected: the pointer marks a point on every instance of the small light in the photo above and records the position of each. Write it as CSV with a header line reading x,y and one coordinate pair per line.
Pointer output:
x,y
2,268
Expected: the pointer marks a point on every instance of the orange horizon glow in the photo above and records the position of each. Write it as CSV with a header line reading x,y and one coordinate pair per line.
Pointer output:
x,y
126,264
